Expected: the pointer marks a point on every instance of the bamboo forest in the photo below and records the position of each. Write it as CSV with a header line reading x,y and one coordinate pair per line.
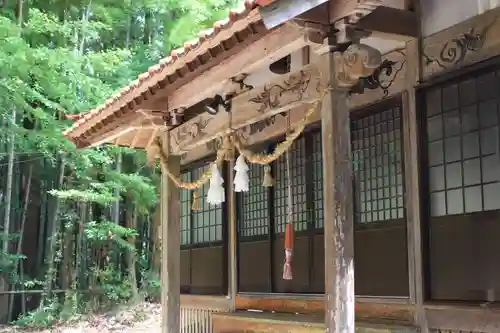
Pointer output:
x,y
79,228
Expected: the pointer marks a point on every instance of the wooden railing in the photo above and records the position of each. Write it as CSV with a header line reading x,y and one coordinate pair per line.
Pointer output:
x,y
196,312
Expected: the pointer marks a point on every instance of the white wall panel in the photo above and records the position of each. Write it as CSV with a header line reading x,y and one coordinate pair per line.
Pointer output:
x,y
438,15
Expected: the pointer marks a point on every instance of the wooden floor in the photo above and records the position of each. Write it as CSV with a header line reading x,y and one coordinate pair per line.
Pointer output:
x,y
269,322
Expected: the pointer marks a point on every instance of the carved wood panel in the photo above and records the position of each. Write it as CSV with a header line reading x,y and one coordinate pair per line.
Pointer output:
x,y
255,107
464,44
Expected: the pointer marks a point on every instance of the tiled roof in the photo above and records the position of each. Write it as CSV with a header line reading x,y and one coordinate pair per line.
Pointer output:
x,y
155,74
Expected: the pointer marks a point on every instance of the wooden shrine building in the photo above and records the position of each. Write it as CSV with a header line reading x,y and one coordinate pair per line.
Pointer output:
x,y
394,179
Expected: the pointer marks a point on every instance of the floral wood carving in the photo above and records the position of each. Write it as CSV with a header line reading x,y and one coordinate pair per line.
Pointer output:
x,y
240,80
382,78
357,61
261,125
453,52
270,98
214,145
195,130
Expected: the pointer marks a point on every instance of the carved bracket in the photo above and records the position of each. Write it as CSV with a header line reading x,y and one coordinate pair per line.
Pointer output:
x,y
382,78
175,117
240,81
356,62
218,102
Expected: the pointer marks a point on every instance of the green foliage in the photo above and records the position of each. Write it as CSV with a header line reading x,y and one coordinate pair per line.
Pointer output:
x,y
45,316
104,196
67,57
115,288
151,285
105,232
9,260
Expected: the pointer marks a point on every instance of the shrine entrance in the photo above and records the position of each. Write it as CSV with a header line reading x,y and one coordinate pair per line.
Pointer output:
x,y
262,216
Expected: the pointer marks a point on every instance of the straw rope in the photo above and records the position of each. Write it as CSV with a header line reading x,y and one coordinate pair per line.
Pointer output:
x,y
204,178
254,158
281,148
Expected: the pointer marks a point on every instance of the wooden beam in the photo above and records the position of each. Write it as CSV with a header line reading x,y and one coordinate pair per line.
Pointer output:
x,y
464,319
203,302
354,8
114,130
275,126
318,14
170,225
280,95
285,10
366,311
390,23
112,135
443,52
274,46
136,120
255,133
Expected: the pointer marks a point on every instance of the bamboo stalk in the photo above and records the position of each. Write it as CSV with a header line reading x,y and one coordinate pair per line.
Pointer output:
x,y
53,234
20,242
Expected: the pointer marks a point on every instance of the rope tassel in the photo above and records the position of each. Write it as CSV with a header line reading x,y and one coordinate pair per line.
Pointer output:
x,y
196,202
241,177
216,194
268,180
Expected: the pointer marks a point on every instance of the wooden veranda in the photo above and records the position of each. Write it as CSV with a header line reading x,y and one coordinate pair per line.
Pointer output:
x,y
397,106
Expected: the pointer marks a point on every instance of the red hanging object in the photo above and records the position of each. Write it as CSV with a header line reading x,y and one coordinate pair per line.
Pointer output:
x,y
289,228
287,267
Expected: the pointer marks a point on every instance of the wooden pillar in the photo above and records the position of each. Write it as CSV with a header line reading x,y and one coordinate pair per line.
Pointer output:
x,y
338,213
412,180
170,249
344,70
232,239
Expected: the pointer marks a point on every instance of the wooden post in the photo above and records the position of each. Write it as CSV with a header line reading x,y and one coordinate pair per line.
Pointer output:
x,y
344,71
232,239
338,213
410,119
170,249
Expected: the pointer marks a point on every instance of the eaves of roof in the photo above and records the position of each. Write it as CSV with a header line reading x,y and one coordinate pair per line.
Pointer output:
x,y
176,62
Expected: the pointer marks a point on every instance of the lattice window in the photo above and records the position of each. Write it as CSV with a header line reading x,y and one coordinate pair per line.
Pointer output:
x,y
377,163
317,179
206,223
463,146
298,183
186,203
203,226
255,203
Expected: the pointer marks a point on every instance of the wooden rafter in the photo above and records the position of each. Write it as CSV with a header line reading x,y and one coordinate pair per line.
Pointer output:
x,y
274,46
403,24
258,104
137,121
352,9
